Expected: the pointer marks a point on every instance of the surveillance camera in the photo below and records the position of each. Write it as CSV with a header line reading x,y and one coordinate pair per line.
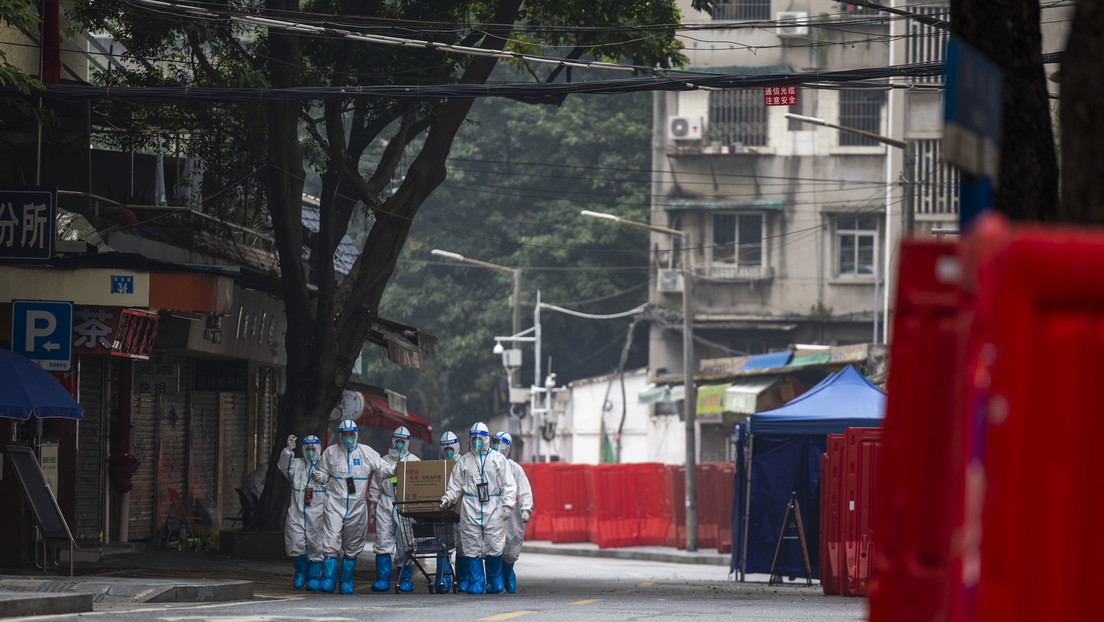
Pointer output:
x,y
498,349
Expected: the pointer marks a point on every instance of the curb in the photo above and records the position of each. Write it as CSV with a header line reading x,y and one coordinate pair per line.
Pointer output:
x,y
628,553
16,604
198,593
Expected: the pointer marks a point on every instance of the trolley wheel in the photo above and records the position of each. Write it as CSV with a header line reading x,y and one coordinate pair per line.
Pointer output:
x,y
431,590
397,590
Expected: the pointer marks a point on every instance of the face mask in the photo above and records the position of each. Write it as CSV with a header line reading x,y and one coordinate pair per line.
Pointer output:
x,y
495,446
348,442
449,453
478,444
400,445
310,454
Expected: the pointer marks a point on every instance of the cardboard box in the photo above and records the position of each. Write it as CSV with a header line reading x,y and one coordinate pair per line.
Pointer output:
x,y
424,481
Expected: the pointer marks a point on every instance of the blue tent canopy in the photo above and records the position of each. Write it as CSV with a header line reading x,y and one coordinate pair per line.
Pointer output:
x,y
785,459
841,400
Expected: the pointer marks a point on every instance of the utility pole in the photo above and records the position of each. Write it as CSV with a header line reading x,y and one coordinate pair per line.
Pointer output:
x,y
690,402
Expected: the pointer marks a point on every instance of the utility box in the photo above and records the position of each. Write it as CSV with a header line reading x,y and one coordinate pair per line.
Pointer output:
x,y
424,482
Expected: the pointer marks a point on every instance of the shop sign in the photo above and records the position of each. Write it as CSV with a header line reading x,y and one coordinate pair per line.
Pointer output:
x,y
156,378
135,335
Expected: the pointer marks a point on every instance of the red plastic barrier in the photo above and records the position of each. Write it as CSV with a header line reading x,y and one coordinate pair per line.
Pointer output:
x,y
676,492
653,508
708,505
569,503
831,472
726,475
919,499
614,496
863,447
1043,425
539,474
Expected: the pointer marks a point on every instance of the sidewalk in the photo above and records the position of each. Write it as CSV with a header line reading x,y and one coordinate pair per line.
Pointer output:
x,y
137,573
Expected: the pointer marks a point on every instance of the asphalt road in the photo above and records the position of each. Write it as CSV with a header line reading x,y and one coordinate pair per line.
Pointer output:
x,y
550,587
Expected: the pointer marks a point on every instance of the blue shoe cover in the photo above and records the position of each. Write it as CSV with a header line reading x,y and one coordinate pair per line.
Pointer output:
x,y
329,575
348,567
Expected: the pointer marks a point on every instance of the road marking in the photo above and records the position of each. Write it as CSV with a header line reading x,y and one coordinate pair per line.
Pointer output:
x,y
507,616
647,584
586,602
637,574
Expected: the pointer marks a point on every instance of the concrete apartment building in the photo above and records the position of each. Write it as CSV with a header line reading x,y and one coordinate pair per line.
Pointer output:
x,y
793,226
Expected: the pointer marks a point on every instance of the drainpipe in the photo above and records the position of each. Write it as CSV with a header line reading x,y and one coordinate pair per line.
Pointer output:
x,y
122,465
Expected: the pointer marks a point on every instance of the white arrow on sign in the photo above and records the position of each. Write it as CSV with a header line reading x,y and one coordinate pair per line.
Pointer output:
x,y
50,345
35,330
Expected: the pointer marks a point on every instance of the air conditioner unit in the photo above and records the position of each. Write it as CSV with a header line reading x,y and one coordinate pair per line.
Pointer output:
x,y
669,281
792,23
685,128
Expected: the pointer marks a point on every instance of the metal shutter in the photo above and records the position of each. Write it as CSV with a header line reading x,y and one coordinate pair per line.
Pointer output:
x,y
91,463
142,497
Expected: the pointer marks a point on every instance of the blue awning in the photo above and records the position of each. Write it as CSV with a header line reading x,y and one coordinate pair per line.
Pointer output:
x,y
766,361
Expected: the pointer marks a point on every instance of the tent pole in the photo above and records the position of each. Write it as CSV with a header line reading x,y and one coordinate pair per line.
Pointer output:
x,y
747,509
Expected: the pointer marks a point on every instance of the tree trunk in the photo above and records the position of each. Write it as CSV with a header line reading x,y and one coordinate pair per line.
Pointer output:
x,y
322,340
1007,32
1082,126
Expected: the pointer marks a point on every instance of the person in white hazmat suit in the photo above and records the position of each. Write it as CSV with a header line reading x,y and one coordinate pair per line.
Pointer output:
x,y
515,526
450,450
390,544
482,477
344,470
303,528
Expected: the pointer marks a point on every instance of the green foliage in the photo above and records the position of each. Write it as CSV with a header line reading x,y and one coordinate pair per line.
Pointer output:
x,y
502,201
20,15
518,177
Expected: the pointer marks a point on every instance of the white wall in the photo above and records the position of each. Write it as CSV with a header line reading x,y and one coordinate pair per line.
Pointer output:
x,y
644,438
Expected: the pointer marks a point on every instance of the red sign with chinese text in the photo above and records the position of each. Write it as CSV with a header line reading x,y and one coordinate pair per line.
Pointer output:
x,y
780,95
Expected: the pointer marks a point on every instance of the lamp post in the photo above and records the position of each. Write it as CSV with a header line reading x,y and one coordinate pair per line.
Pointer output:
x,y
493,266
538,406
691,397
909,149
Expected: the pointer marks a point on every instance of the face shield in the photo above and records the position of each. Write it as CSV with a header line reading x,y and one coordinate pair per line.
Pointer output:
x,y
478,443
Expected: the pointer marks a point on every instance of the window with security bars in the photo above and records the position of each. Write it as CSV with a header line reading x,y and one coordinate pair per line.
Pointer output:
x,y
861,110
738,240
936,187
927,43
738,117
856,238
743,10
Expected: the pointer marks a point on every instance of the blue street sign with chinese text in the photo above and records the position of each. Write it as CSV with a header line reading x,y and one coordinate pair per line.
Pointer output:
x,y
28,224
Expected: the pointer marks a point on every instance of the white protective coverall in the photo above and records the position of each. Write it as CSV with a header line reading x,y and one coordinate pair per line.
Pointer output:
x,y
515,525
303,531
346,519
482,532
382,493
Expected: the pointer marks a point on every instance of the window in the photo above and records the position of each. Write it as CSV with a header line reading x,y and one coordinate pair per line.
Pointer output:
x,y
738,240
856,238
861,110
742,10
737,117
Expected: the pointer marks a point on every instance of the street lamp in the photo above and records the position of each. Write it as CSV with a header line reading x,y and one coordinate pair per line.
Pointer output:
x,y
493,266
691,396
909,149
538,407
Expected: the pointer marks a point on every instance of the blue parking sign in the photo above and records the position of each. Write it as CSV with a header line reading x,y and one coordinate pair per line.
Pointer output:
x,y
42,330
